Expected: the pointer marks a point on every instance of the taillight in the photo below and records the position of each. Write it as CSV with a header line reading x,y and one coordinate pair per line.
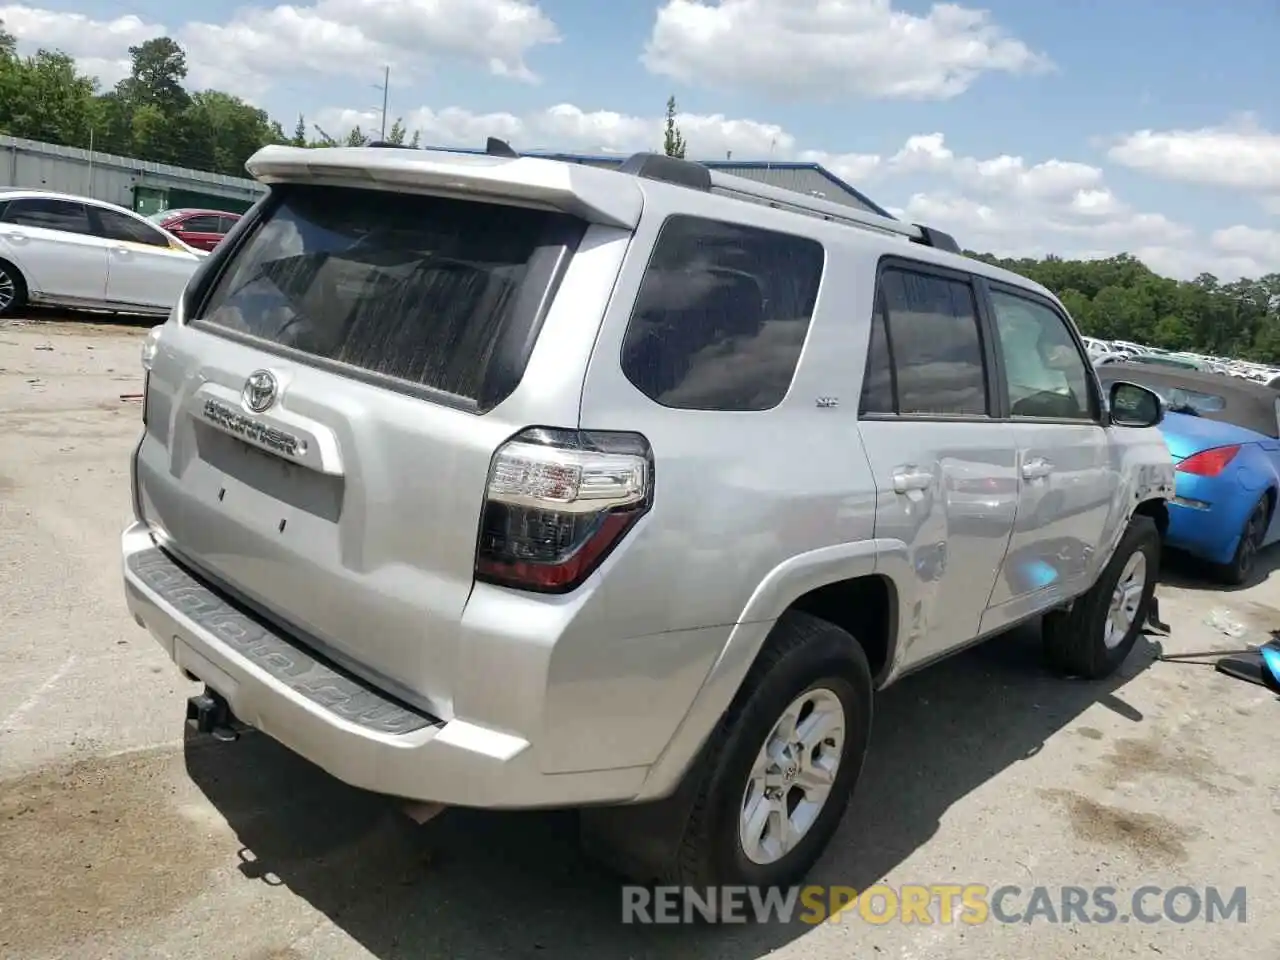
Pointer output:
x,y
558,501
1209,463
149,348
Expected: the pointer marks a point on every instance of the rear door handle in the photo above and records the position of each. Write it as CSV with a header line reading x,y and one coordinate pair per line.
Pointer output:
x,y
16,237
906,479
1036,468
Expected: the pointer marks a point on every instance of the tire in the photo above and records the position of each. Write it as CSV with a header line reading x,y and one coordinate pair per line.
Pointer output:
x,y
13,289
1241,566
1077,642
808,660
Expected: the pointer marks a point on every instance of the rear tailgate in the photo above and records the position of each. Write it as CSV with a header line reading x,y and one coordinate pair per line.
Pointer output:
x,y
320,430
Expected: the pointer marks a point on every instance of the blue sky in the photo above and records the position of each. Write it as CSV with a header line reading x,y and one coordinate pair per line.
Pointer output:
x,y
1079,127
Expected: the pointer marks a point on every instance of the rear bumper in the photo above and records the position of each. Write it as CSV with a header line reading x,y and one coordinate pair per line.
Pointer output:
x,y
337,721
1207,516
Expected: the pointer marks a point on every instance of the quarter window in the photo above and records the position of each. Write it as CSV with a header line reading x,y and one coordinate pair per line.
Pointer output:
x,y
925,351
1046,374
722,315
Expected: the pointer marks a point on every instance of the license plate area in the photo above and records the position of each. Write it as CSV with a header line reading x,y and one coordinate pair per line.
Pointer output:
x,y
254,480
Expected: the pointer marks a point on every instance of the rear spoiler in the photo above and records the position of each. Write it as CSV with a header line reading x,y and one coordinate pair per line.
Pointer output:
x,y
591,193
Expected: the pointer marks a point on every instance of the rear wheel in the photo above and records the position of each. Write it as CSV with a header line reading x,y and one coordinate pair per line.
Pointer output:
x,y
1096,634
13,289
1255,528
785,761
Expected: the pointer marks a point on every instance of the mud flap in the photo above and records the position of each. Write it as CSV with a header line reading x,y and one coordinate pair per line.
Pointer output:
x,y
641,842
1154,624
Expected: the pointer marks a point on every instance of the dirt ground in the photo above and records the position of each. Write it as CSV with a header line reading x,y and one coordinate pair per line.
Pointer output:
x,y
121,837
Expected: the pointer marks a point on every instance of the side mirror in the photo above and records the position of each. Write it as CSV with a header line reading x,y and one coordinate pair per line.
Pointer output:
x,y
1135,406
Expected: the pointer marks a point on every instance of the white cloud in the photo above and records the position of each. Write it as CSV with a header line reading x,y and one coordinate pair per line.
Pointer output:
x,y
1241,241
1003,174
1242,156
100,47
259,44
833,48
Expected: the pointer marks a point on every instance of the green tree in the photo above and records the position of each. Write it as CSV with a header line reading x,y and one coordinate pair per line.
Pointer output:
x,y
159,70
224,131
299,138
44,97
673,144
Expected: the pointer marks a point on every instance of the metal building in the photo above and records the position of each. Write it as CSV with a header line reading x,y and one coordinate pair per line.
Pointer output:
x,y
136,184
809,178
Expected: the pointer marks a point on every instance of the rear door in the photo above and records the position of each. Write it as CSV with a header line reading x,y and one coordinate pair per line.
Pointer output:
x,y
145,268
322,427
1068,479
944,466
51,241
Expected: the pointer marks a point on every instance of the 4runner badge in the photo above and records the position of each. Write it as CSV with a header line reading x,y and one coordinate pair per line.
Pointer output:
x,y
259,391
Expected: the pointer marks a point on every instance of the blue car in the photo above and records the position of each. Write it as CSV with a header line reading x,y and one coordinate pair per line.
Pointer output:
x,y
1224,435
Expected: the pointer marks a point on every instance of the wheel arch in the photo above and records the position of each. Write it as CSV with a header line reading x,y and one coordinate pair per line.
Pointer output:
x,y
855,586
23,277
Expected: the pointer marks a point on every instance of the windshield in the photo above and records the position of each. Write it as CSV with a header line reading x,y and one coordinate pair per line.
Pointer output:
x,y
1184,400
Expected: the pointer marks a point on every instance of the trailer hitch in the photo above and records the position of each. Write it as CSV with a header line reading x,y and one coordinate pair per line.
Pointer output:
x,y
210,713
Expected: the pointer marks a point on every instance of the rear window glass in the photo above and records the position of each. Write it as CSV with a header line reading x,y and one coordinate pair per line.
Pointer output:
x,y
722,315
421,289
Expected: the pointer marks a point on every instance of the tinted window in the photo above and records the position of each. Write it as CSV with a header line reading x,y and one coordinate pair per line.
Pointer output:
x,y
721,315
935,344
203,223
877,379
48,214
226,223
127,229
417,288
1046,374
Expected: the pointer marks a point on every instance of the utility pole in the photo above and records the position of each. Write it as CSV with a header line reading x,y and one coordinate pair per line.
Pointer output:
x,y
385,88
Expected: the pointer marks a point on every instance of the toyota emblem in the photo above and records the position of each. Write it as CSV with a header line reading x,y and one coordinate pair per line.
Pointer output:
x,y
259,391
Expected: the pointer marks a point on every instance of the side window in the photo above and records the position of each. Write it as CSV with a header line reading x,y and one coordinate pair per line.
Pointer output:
x,y
47,214
877,380
1047,376
721,316
203,223
935,344
114,225
226,223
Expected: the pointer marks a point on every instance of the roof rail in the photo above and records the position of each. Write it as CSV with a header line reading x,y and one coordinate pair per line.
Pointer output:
x,y
688,173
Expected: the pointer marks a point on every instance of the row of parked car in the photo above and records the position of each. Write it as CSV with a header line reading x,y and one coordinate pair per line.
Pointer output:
x,y
1103,352
76,252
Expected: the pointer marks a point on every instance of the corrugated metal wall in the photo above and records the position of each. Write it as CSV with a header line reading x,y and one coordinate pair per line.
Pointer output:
x,y
103,176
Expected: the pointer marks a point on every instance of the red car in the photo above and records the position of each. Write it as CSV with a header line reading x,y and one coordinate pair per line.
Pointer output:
x,y
202,229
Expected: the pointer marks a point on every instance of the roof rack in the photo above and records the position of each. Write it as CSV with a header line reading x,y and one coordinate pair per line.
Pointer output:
x,y
688,173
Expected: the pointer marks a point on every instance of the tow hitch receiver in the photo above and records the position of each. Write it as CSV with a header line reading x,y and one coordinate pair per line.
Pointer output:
x,y
209,713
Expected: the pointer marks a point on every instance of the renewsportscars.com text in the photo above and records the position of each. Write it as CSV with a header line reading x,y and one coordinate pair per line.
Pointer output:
x,y
926,904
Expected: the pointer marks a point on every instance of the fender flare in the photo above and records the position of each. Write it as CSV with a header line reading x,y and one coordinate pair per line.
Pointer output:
x,y
792,578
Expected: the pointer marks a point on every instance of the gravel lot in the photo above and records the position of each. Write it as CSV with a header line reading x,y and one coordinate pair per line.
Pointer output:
x,y
122,838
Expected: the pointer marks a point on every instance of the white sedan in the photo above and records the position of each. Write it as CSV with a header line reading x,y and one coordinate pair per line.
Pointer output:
x,y
67,251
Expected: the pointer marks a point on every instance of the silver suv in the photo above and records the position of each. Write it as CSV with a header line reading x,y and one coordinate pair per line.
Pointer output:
x,y
502,482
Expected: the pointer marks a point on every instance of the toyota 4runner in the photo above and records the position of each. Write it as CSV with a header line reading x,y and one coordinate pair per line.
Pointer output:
x,y
504,482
